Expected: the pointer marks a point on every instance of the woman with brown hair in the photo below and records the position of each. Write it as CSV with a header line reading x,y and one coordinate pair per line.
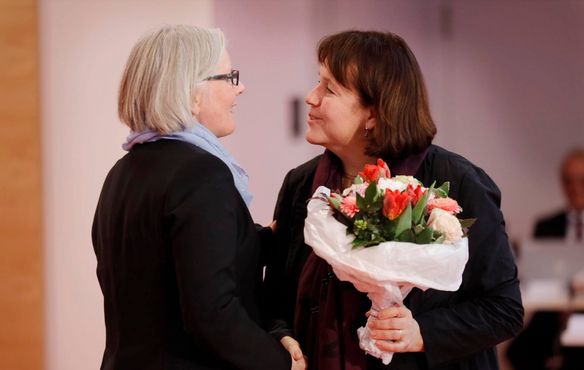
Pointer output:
x,y
371,103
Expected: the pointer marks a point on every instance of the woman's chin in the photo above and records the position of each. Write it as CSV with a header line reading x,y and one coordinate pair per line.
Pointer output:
x,y
225,131
312,139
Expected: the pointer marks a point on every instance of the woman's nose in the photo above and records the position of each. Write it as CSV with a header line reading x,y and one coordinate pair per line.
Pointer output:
x,y
312,97
240,88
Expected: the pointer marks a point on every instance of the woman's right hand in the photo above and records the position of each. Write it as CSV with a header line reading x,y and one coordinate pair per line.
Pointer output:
x,y
395,330
293,347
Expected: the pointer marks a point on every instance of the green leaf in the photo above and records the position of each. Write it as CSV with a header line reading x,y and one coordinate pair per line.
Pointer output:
x,y
388,228
404,221
439,238
371,192
361,202
359,243
358,180
366,239
418,229
375,207
407,236
335,202
371,227
467,222
442,191
421,206
425,237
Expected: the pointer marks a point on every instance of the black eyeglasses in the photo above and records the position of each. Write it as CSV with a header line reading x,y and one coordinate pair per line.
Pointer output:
x,y
232,77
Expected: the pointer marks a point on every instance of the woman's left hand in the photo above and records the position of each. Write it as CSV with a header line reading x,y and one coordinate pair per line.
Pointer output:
x,y
395,330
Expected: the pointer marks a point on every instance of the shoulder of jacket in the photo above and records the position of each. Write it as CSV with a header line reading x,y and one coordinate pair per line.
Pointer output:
x,y
458,169
449,160
300,173
186,160
457,165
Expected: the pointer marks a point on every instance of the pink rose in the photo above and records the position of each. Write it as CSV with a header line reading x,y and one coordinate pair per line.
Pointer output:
x,y
349,206
446,204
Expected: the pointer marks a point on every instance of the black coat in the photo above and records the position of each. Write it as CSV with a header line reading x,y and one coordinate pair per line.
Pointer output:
x,y
552,227
178,264
460,329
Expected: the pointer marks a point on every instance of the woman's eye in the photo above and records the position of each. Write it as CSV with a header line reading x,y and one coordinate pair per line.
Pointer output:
x,y
329,90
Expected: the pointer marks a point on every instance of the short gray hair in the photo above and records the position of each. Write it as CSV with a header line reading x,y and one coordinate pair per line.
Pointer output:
x,y
162,75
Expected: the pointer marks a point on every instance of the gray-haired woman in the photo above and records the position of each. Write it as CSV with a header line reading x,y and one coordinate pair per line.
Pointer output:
x,y
177,250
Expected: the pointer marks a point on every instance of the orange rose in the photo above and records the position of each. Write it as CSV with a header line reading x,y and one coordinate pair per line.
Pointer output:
x,y
415,193
394,203
372,172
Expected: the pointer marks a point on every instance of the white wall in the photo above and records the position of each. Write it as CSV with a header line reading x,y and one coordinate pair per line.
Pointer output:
x,y
84,46
515,89
271,43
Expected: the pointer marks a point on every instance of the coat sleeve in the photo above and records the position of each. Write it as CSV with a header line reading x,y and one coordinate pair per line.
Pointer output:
x,y
266,236
488,308
205,224
279,295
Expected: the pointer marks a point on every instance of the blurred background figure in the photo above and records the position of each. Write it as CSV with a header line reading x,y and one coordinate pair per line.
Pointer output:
x,y
568,223
539,346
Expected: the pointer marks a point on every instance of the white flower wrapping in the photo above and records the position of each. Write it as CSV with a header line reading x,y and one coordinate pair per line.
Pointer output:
x,y
386,272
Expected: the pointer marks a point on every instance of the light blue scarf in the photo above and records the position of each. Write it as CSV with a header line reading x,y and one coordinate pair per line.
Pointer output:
x,y
201,137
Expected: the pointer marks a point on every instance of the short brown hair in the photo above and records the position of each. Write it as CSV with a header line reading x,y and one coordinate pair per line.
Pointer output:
x,y
383,71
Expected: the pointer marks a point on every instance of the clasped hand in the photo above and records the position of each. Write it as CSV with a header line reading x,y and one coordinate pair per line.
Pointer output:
x,y
293,347
395,330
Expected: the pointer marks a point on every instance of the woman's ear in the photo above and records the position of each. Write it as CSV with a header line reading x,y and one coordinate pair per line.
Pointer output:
x,y
371,120
196,105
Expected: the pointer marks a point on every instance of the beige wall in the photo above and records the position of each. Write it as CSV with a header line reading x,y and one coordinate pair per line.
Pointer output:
x,y
21,284
84,46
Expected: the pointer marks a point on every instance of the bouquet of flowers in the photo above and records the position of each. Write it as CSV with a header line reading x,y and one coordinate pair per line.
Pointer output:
x,y
387,235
